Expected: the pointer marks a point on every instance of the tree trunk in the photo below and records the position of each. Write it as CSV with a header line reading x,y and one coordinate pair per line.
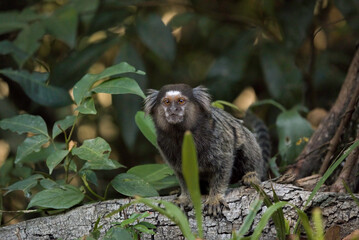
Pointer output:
x,y
337,209
310,158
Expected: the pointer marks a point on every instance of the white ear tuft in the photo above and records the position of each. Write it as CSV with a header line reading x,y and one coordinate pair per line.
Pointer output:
x,y
150,101
202,96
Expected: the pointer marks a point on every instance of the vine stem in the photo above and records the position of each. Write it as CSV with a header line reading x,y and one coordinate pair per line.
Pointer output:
x,y
90,190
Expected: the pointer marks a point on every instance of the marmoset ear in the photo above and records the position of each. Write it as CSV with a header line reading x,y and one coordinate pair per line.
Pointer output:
x,y
202,96
150,100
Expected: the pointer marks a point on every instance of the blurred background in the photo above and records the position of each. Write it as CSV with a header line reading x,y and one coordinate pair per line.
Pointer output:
x,y
294,52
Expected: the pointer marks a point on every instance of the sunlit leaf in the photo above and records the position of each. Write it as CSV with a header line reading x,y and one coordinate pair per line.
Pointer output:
x,y
82,89
93,150
131,185
119,86
103,164
191,175
30,145
63,197
36,88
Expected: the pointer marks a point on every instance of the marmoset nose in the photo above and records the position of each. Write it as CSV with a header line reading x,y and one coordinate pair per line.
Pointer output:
x,y
173,108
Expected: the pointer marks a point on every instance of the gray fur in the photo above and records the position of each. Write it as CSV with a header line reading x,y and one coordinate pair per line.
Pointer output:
x,y
227,151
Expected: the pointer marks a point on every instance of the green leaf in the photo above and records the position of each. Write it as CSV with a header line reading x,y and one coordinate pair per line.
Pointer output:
x,y
191,175
151,172
119,86
131,185
25,123
95,149
57,198
167,182
103,164
36,88
7,47
31,144
25,185
143,229
156,36
173,213
55,158
265,218
290,145
248,221
87,106
116,233
82,89
43,154
28,39
90,176
11,20
64,124
147,127
48,183
63,25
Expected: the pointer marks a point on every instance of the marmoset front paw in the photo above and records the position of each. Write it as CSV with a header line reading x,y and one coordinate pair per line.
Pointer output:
x,y
251,177
214,205
184,202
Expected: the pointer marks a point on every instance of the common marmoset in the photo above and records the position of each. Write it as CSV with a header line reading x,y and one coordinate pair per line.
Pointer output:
x,y
227,151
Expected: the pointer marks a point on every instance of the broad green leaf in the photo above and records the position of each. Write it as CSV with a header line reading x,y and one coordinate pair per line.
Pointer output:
x,y
167,182
31,144
131,185
103,164
64,124
25,185
55,158
127,105
37,89
57,198
82,89
156,36
93,150
7,47
147,127
116,233
25,123
28,39
191,175
87,106
63,25
12,20
151,172
119,86
48,183
66,73
290,143
90,176
43,154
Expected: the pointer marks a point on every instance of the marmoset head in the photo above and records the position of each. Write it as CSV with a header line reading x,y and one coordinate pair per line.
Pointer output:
x,y
177,104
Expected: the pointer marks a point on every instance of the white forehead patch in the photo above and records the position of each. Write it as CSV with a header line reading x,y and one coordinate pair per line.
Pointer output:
x,y
173,93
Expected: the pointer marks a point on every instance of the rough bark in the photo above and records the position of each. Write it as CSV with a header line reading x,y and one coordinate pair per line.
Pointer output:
x,y
309,159
338,209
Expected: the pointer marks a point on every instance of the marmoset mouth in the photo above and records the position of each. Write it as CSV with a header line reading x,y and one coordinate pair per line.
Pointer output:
x,y
174,118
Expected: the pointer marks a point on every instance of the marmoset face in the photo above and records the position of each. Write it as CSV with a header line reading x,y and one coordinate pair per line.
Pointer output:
x,y
174,104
